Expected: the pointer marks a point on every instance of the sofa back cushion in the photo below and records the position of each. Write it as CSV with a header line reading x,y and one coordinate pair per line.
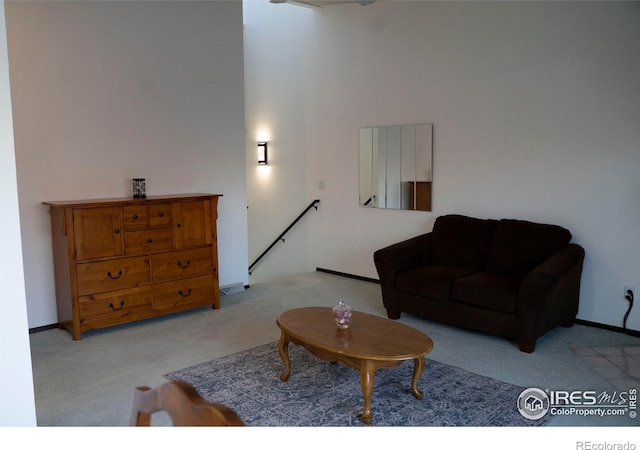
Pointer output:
x,y
518,246
462,241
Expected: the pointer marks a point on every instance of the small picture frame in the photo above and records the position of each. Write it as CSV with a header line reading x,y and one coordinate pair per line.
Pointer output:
x,y
139,188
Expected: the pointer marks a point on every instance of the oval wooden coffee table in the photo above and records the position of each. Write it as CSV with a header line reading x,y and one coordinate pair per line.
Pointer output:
x,y
370,342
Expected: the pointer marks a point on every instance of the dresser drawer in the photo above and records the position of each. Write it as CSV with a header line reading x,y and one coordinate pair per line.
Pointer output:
x,y
146,241
111,308
135,217
173,294
181,264
113,274
139,217
160,215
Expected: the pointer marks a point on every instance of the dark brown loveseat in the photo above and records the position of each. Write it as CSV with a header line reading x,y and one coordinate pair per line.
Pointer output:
x,y
508,277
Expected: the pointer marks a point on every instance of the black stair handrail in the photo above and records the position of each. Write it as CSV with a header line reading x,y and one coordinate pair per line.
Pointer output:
x,y
281,237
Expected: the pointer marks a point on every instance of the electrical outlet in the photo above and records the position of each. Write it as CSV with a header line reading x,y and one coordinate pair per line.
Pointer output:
x,y
627,289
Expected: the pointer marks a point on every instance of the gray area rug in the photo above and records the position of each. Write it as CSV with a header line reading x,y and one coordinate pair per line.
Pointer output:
x,y
319,393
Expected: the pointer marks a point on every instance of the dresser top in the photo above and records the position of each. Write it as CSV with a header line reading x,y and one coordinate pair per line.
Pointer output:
x,y
129,200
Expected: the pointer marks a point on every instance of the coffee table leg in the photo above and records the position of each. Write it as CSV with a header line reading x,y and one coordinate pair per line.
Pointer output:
x,y
283,349
418,367
367,372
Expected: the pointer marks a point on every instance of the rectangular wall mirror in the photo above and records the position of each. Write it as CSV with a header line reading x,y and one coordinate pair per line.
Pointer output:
x,y
395,167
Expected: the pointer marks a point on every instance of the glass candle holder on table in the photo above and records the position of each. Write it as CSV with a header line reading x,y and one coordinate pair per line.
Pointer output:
x,y
342,315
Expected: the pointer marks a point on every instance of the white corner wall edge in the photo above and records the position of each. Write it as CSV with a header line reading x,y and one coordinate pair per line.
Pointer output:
x,y
17,398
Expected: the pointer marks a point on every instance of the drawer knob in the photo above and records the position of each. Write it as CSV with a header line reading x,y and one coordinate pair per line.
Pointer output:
x,y
184,267
149,241
160,214
135,217
182,294
178,225
117,230
116,277
117,309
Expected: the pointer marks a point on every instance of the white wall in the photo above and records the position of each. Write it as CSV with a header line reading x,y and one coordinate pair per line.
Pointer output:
x,y
535,107
107,91
275,92
16,378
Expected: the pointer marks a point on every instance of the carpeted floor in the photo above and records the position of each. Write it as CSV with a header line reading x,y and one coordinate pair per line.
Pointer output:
x,y
319,393
89,383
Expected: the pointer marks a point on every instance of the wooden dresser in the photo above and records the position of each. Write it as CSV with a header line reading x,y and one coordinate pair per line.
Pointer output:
x,y
122,260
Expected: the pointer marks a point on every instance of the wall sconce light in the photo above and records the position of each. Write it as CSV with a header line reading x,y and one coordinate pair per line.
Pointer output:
x,y
262,153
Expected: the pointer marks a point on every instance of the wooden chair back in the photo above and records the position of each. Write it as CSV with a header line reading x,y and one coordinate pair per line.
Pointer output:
x,y
182,403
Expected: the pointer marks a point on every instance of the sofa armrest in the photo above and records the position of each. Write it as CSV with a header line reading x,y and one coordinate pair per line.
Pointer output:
x,y
396,258
563,261
405,255
549,295
545,278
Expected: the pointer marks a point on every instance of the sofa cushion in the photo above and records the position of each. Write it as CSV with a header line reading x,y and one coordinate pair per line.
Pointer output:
x,y
433,281
491,290
518,246
462,241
